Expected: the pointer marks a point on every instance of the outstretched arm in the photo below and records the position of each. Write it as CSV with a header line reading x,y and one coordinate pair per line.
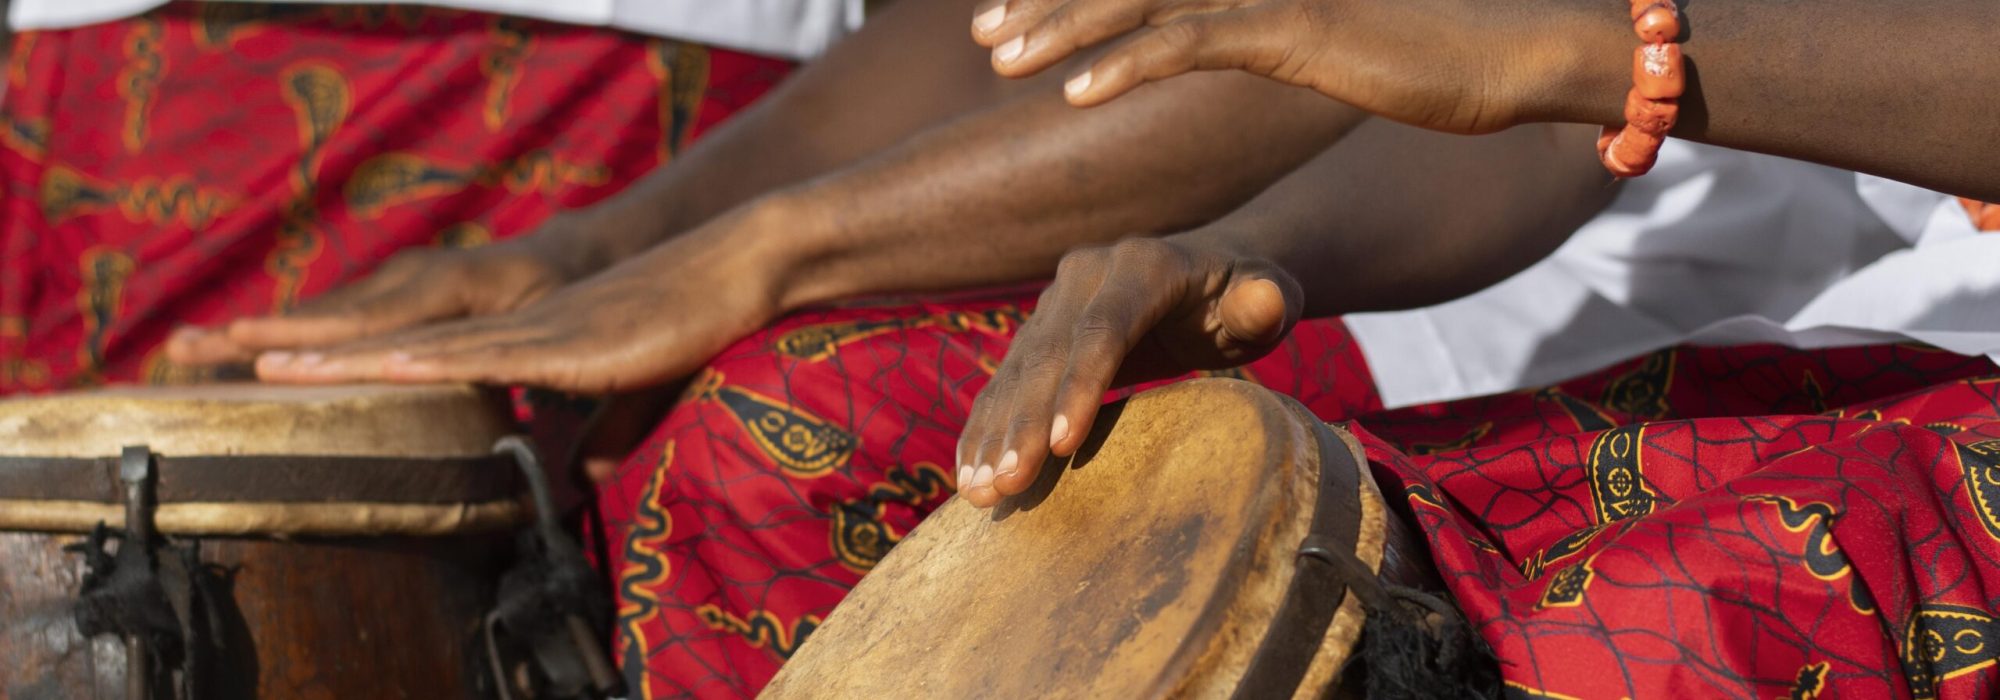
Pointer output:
x,y
995,196
1900,89
1391,218
973,161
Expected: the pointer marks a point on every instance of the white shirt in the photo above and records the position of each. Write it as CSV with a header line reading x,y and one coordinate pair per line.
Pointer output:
x,y
786,28
1715,247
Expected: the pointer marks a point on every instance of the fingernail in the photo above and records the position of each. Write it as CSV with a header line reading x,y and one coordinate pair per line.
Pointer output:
x,y
1010,50
1009,464
185,333
1077,85
982,478
990,20
1058,430
398,358
964,476
311,358
279,357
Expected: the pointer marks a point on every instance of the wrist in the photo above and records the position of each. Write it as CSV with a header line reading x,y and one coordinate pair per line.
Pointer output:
x,y
770,247
1578,66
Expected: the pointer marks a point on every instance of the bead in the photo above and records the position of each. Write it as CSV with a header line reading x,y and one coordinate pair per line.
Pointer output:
x,y
1989,219
1639,7
1631,153
1656,71
1659,24
1655,117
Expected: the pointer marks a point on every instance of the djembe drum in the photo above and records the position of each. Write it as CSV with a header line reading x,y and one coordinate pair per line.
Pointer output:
x,y
251,541
1211,539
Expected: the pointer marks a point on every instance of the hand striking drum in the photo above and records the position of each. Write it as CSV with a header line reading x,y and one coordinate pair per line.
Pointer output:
x,y
1210,539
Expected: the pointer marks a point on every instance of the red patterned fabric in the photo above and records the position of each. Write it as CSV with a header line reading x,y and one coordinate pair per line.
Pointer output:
x,y
1740,522
209,161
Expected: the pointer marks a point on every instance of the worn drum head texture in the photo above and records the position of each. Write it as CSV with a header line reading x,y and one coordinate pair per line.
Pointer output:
x,y
253,419
1148,567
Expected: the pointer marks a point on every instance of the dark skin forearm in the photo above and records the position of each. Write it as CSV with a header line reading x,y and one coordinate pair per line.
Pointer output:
x,y
1908,90
1395,217
1391,218
908,69
999,195
990,197
1901,89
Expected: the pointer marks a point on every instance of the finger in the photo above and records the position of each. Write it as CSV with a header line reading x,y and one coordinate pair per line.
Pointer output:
x,y
199,347
349,317
1037,349
542,362
1144,282
975,433
1024,446
1203,42
377,359
1062,29
997,20
1254,313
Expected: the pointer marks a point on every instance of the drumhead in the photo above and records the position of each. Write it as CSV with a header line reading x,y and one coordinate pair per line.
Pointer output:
x,y
1150,565
253,419
262,459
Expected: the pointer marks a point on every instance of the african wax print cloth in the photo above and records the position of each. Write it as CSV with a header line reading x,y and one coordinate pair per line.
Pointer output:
x,y
204,162
1753,522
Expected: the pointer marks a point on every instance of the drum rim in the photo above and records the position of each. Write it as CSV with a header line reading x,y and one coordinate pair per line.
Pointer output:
x,y
1326,651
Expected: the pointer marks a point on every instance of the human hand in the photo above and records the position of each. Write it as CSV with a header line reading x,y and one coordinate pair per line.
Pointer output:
x,y
1464,66
642,322
1143,309
412,288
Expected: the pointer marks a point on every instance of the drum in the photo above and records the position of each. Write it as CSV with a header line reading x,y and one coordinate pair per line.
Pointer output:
x,y
1211,539
251,541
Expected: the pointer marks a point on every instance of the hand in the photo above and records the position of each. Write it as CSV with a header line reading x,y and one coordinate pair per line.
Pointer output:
x,y
1465,66
414,287
643,322
1143,309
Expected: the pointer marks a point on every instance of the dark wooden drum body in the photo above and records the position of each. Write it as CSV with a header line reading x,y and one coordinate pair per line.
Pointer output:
x,y
345,541
1169,558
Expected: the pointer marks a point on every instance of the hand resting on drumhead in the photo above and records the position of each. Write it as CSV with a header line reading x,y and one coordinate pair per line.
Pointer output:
x,y
1392,217
412,288
640,323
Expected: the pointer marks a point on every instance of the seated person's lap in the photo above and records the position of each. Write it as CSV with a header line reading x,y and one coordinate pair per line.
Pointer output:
x,y
804,452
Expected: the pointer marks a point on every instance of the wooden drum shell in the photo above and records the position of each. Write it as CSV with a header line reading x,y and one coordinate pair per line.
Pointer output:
x,y
325,599
314,619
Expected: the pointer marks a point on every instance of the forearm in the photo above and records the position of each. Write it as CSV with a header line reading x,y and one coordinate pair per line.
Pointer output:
x,y
1000,195
908,69
1907,90
1395,217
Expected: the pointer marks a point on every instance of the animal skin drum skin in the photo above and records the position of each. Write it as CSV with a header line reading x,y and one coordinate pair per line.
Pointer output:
x,y
1168,558
344,542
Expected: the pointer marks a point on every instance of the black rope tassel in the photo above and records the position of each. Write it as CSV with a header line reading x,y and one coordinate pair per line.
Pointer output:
x,y
1421,647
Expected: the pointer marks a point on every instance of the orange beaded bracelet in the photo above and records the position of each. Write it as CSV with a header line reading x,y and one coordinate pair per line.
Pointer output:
x,y
1985,217
1658,82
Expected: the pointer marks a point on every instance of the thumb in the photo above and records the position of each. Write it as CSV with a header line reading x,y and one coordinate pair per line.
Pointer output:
x,y
1255,313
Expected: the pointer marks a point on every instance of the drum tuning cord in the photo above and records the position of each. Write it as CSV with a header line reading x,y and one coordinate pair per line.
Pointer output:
x,y
157,596
552,611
